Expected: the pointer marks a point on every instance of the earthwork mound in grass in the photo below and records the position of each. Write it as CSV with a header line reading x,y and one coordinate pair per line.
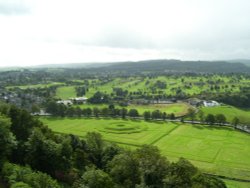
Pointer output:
x,y
123,128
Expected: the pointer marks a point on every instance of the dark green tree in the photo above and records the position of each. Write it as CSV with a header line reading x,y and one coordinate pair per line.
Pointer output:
x,y
133,113
220,118
94,178
147,115
124,169
153,167
235,122
210,119
7,139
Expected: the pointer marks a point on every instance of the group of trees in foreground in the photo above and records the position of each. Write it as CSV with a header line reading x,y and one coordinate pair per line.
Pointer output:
x,y
31,155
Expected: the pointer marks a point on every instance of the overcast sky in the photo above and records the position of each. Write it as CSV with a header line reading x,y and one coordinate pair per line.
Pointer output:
x,y
36,32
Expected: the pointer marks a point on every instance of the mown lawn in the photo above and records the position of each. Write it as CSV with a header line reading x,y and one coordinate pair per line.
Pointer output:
x,y
215,150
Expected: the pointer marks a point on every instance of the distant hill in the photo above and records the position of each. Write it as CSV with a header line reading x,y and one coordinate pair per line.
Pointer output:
x,y
244,61
72,65
150,66
179,66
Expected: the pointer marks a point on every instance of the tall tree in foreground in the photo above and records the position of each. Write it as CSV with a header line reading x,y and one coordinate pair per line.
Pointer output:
x,y
7,140
94,178
124,169
153,167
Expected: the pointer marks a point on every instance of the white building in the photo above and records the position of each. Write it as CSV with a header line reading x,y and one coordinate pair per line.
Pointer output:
x,y
79,100
65,102
210,103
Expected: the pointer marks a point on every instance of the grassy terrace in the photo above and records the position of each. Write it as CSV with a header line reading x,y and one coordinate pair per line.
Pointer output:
x,y
215,150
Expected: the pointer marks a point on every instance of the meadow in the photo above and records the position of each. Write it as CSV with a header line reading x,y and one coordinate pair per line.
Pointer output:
x,y
230,112
66,92
216,150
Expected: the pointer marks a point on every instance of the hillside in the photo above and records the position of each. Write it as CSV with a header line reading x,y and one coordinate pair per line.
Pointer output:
x,y
179,66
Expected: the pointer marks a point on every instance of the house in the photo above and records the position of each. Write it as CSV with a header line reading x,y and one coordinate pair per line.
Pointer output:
x,y
41,113
65,102
79,100
210,103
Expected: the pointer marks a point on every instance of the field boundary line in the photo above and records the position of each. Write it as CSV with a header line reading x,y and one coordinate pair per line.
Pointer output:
x,y
167,133
228,178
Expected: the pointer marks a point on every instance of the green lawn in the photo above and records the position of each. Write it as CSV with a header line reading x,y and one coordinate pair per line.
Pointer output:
x,y
230,112
220,151
66,92
128,132
178,109
236,184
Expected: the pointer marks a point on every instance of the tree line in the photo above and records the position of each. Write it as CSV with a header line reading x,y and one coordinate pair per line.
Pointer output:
x,y
62,110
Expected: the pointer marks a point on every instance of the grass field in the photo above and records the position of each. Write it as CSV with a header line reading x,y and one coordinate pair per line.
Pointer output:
x,y
230,112
220,151
179,109
236,184
66,92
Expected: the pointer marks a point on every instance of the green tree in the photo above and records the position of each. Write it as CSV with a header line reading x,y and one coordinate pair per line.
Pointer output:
x,y
201,116
180,174
156,114
46,155
95,146
202,180
133,113
124,169
96,112
147,115
95,178
172,116
35,108
210,119
164,116
123,113
153,167
7,140
220,118
235,122
191,113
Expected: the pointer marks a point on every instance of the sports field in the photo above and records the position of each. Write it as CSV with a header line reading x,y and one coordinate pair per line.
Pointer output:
x,y
221,151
